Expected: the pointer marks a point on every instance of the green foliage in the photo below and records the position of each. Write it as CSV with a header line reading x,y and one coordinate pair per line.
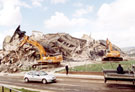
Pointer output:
x,y
106,65
22,90
5,89
25,90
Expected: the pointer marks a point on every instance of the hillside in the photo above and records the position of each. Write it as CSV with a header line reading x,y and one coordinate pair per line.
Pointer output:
x,y
130,51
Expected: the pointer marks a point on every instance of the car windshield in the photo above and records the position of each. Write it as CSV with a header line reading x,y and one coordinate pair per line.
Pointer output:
x,y
30,73
43,73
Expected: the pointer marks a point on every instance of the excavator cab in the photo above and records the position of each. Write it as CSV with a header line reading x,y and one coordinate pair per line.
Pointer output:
x,y
37,56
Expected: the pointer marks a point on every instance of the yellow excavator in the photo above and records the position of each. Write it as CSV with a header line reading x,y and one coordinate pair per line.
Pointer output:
x,y
111,55
42,53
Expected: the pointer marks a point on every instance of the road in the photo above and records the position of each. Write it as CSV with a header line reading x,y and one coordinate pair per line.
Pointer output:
x,y
69,84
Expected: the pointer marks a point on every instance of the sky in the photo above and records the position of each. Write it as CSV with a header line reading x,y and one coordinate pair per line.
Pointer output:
x,y
102,19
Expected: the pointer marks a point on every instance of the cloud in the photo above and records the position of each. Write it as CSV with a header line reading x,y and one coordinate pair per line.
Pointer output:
x,y
58,1
37,3
60,21
10,13
24,4
83,11
121,39
121,13
116,21
78,4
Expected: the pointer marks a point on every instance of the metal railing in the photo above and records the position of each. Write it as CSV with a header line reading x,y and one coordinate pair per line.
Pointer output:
x,y
7,89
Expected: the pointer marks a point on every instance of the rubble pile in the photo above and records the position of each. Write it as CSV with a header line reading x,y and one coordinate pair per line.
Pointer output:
x,y
14,57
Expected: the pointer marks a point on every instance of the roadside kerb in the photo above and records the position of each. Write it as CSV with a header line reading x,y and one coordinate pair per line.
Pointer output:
x,y
79,76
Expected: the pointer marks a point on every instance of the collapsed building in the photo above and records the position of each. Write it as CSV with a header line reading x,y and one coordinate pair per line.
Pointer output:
x,y
14,57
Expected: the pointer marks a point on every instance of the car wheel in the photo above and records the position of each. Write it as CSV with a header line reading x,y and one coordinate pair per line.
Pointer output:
x,y
55,81
26,80
44,81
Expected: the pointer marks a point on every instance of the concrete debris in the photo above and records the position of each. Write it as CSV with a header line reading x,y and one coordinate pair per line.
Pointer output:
x,y
15,58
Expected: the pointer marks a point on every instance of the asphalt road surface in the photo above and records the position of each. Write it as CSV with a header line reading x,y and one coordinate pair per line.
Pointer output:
x,y
68,84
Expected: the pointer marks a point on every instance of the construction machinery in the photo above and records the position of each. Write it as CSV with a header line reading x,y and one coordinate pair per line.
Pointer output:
x,y
44,59
111,55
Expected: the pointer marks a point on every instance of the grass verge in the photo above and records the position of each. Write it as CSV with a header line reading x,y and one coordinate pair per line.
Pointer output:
x,y
25,90
22,90
98,67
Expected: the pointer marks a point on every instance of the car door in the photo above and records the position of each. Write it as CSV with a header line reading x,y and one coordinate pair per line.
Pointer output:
x,y
30,76
33,76
37,77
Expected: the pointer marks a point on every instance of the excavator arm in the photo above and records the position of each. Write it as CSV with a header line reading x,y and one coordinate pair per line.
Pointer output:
x,y
43,58
36,44
111,55
109,45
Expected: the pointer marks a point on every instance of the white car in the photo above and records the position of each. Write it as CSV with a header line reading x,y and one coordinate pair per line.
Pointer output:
x,y
40,76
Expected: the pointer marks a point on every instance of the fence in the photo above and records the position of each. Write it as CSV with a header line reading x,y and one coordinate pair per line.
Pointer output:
x,y
7,89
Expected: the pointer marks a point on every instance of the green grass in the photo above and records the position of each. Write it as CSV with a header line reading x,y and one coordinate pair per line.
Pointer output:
x,y
22,90
98,67
5,90
25,90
